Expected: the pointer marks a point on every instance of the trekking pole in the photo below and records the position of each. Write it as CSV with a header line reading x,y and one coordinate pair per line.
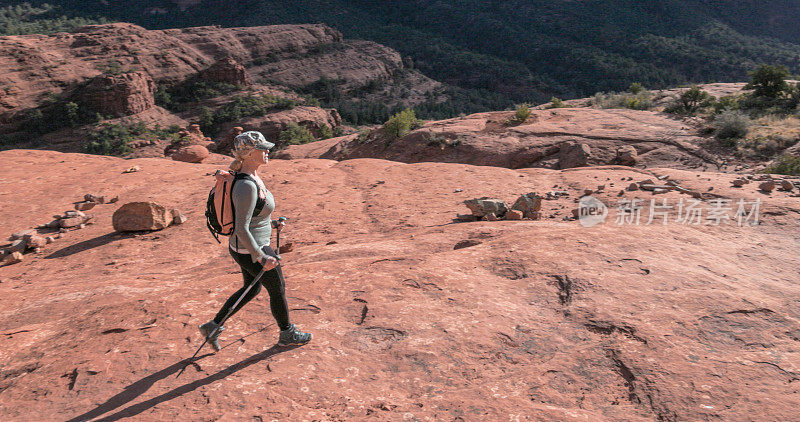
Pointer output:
x,y
278,239
230,311
253,283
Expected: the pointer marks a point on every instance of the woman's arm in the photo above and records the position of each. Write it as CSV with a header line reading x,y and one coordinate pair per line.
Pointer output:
x,y
245,195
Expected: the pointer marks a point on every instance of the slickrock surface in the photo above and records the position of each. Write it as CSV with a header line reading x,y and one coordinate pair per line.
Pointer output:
x,y
528,320
486,139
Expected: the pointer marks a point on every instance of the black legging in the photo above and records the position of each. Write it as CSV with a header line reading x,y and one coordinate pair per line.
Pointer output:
x,y
272,280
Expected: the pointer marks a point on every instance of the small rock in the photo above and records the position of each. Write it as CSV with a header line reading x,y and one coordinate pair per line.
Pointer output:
x,y
633,187
514,215
50,239
458,190
490,217
12,258
658,191
76,213
20,235
536,215
35,241
63,230
622,192
19,245
587,192
787,185
767,186
72,222
81,226
132,169
601,187
85,206
177,217
740,182
528,203
627,156
485,205
96,199
113,200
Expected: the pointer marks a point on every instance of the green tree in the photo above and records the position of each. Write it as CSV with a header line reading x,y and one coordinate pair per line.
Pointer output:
x,y
768,81
401,123
295,135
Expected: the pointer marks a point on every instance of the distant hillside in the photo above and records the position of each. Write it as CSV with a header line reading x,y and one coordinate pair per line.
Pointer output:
x,y
525,50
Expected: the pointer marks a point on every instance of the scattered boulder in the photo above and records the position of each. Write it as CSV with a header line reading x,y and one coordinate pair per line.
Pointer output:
x,y
191,154
113,200
74,221
12,258
573,155
132,169
740,182
85,206
19,245
787,185
480,207
20,235
514,215
34,241
95,199
528,203
490,217
633,187
627,156
137,216
767,186
536,215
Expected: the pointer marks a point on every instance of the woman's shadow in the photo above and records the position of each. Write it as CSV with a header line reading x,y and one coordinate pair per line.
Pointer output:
x,y
138,388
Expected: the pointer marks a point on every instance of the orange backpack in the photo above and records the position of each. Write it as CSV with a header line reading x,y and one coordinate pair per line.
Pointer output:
x,y
220,213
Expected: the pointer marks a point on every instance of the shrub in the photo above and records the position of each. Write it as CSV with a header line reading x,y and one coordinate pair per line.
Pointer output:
x,y
401,123
726,103
524,111
554,103
785,164
768,81
295,135
690,101
635,88
640,101
114,139
731,125
325,132
110,140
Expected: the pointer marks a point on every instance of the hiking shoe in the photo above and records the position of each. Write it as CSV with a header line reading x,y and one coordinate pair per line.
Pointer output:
x,y
207,329
292,336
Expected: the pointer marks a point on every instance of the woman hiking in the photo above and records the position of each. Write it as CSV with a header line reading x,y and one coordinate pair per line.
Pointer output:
x,y
249,244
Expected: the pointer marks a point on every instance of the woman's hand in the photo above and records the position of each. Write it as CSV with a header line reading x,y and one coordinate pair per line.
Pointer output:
x,y
268,262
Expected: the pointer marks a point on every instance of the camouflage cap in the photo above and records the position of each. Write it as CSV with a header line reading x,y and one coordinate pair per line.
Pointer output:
x,y
252,140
